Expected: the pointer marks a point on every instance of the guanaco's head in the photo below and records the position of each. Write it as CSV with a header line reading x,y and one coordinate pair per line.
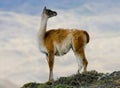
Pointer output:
x,y
49,13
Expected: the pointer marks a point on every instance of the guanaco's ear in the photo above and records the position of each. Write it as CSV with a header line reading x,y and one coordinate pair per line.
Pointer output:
x,y
44,8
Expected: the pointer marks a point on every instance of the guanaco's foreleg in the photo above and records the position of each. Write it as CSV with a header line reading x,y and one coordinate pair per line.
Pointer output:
x,y
50,60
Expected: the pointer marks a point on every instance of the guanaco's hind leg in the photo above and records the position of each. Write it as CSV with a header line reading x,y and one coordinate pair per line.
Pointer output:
x,y
78,45
81,59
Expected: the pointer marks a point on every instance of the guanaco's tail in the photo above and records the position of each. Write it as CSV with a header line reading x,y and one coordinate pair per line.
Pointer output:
x,y
87,35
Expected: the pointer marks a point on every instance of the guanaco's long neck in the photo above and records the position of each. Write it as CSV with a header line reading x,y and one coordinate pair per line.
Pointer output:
x,y
43,27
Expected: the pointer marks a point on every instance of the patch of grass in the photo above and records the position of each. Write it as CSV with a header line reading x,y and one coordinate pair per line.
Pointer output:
x,y
91,79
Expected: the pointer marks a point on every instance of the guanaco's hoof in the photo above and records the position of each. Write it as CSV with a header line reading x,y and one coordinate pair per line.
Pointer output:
x,y
49,83
84,72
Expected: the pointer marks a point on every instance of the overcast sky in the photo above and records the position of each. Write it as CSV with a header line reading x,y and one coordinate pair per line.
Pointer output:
x,y
20,58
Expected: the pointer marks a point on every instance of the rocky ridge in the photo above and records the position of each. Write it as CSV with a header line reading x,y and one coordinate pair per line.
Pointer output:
x,y
91,79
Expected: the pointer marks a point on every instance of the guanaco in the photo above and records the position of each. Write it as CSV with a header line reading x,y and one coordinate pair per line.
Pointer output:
x,y
57,42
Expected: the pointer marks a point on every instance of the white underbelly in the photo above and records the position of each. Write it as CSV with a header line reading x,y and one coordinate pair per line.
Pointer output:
x,y
63,47
62,50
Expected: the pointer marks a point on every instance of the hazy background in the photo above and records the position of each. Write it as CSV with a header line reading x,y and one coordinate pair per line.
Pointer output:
x,y
20,58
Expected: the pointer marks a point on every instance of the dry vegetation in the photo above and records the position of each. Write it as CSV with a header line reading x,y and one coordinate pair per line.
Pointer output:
x,y
91,79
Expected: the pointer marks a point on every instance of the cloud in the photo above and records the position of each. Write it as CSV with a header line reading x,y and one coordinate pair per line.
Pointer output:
x,y
21,61
19,46
35,7
7,84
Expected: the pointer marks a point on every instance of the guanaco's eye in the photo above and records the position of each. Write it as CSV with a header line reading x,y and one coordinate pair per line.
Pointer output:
x,y
48,11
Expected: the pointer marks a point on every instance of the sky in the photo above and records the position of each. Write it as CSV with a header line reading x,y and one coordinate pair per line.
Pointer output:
x,y
20,58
